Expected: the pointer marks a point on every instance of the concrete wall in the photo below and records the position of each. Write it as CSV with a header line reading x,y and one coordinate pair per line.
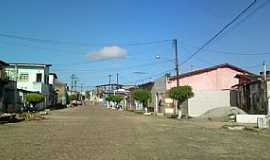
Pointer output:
x,y
205,100
158,94
248,118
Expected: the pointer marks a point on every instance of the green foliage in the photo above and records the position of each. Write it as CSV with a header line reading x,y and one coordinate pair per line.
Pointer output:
x,y
181,93
72,97
113,98
109,98
142,96
117,99
34,98
87,94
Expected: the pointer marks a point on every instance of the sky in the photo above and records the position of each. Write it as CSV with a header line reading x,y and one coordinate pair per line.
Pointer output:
x,y
95,38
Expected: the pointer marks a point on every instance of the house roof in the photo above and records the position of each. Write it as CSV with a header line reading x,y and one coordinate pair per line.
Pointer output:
x,y
146,84
3,63
112,84
226,65
30,64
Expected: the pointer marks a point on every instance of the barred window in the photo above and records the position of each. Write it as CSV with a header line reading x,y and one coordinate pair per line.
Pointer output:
x,y
24,77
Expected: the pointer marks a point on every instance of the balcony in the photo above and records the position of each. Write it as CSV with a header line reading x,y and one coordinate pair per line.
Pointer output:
x,y
3,77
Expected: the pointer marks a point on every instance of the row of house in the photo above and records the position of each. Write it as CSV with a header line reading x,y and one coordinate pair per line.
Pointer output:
x,y
19,79
223,85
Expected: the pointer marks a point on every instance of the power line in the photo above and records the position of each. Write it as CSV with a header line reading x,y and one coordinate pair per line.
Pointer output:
x,y
119,68
57,42
150,77
220,32
244,53
239,53
261,6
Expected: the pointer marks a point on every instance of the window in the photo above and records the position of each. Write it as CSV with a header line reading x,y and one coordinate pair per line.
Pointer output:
x,y
39,77
24,77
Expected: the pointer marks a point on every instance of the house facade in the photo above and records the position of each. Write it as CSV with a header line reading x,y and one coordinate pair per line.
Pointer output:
x,y
31,77
253,94
211,86
220,77
3,83
61,90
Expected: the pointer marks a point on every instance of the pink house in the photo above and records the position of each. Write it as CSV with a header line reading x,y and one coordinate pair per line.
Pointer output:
x,y
211,86
220,77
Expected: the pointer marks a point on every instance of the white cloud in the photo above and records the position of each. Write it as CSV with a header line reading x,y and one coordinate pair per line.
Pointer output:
x,y
112,52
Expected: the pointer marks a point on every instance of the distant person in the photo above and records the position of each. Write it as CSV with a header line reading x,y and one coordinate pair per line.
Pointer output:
x,y
83,100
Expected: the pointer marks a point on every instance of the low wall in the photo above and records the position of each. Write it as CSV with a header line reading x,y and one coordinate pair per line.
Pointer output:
x,y
249,118
206,100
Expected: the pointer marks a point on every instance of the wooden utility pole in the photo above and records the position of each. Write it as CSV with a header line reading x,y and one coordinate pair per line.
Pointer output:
x,y
264,70
73,78
176,61
15,85
81,88
117,82
110,78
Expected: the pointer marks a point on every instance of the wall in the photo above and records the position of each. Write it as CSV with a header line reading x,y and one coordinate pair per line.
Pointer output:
x,y
31,84
158,93
206,100
218,79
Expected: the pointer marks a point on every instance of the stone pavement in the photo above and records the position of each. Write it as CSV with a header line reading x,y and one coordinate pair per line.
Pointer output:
x,y
92,132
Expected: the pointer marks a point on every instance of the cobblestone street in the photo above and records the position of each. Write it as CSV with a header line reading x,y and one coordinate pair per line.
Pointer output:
x,y
92,132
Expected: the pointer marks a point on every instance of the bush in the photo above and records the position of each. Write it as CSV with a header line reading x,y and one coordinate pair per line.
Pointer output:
x,y
117,99
109,98
181,93
72,97
114,98
142,96
34,98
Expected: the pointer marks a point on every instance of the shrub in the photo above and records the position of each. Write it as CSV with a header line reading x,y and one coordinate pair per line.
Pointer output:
x,y
34,98
72,97
117,99
181,93
109,98
114,98
142,96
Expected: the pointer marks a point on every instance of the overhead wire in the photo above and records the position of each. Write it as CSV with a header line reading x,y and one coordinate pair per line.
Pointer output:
x,y
49,41
219,32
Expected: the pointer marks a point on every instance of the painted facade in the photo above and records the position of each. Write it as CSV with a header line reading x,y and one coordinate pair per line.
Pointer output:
x,y
211,86
31,77
221,77
253,94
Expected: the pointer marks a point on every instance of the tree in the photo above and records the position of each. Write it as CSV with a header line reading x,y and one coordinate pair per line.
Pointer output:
x,y
117,99
142,96
114,98
34,98
181,93
72,97
109,98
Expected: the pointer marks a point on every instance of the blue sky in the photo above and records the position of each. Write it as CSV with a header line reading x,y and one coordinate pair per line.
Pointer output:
x,y
117,23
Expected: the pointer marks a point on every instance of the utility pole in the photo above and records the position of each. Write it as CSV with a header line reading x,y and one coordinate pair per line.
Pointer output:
x,y
110,78
75,85
177,108
191,68
264,70
15,85
117,82
81,88
176,61
73,77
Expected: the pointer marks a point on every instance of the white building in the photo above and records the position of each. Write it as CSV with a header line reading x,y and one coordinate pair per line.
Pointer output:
x,y
31,77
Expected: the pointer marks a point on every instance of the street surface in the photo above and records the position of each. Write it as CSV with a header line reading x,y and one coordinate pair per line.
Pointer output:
x,y
93,132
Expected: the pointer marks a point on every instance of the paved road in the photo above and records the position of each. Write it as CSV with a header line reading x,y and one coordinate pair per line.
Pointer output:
x,y
92,132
